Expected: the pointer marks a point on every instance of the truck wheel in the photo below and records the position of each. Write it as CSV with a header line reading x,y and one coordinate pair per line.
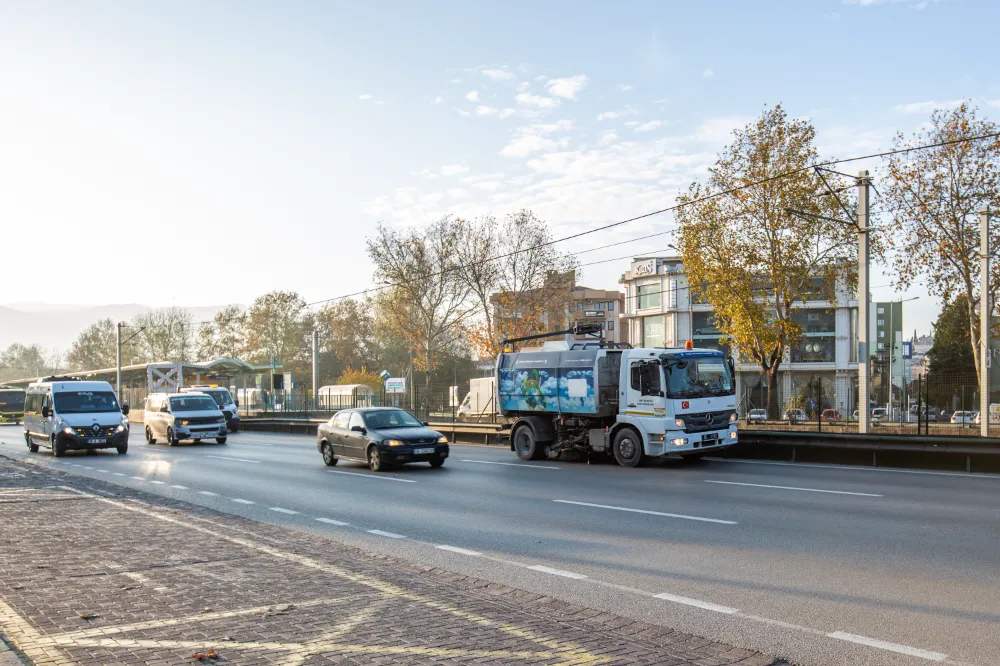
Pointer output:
x,y
525,445
628,448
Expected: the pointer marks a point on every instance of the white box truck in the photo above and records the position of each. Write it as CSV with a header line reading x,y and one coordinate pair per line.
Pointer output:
x,y
480,403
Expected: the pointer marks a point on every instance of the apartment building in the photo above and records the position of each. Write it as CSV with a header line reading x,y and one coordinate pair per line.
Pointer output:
x,y
820,372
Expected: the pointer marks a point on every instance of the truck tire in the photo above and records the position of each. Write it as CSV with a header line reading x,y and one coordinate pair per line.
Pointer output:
x,y
525,445
628,448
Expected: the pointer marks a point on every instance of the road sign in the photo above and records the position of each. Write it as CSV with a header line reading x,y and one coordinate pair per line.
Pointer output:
x,y
384,375
453,396
395,385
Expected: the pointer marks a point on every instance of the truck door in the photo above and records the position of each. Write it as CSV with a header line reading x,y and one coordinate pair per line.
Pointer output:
x,y
645,403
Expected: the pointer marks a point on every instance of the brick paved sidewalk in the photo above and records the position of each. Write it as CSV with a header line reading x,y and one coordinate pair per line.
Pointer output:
x,y
88,578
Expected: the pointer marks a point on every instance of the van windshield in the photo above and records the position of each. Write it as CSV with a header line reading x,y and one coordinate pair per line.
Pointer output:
x,y
195,403
698,377
85,402
221,398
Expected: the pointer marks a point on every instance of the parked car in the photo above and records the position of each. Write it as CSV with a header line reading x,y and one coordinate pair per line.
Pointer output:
x,y
177,416
794,415
380,436
878,414
756,416
831,415
963,417
978,418
66,413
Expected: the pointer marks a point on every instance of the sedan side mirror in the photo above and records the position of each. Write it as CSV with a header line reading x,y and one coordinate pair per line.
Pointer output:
x,y
426,423
125,409
45,412
360,429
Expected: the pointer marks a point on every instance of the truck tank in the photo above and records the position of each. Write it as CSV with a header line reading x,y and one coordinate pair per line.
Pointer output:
x,y
583,382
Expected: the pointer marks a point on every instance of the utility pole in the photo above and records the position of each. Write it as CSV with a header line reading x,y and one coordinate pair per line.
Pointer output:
x,y
864,310
118,360
985,310
315,376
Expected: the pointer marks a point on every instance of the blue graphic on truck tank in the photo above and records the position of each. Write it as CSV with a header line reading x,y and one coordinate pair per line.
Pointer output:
x,y
543,390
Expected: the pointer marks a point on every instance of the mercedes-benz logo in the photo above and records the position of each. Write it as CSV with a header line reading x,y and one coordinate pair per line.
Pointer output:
x,y
96,428
709,418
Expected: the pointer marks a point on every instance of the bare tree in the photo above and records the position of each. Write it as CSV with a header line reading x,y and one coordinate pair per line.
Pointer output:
x,y
224,336
166,334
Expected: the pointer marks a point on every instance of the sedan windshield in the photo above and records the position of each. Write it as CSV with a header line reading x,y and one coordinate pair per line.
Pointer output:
x,y
698,377
85,402
391,418
195,403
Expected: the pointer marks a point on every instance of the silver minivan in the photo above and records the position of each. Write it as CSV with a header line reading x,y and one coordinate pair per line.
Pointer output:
x,y
177,416
65,413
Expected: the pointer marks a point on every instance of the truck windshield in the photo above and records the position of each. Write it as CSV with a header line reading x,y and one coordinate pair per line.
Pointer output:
x,y
698,377
85,402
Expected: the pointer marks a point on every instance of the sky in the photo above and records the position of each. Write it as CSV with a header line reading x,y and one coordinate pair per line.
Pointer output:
x,y
200,153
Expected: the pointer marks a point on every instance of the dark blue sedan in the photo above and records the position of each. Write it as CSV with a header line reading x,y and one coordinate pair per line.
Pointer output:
x,y
381,437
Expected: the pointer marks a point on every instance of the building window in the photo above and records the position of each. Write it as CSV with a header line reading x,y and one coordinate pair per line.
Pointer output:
x,y
611,306
881,322
881,334
881,310
611,325
599,305
649,296
652,331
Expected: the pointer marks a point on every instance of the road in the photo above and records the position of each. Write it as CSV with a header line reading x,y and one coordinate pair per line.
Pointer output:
x,y
821,565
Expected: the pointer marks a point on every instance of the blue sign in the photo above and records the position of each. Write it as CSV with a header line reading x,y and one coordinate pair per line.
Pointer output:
x,y
907,350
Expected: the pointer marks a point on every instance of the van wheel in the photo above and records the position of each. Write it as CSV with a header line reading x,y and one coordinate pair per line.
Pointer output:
x,y
328,458
220,440
149,436
525,445
628,448
123,449
31,443
58,448
171,440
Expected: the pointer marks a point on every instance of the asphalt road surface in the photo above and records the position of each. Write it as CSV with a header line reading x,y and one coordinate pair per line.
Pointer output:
x,y
820,564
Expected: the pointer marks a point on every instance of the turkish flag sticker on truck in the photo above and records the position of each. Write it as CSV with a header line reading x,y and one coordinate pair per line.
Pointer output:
x,y
685,404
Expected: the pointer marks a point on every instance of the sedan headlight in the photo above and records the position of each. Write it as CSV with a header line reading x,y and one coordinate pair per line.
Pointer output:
x,y
393,442
442,440
69,431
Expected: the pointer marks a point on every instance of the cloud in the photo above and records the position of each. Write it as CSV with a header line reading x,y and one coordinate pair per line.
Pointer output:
x,y
926,107
608,137
632,123
462,112
438,99
365,97
648,127
456,80
537,101
454,169
522,86
994,103
497,73
720,130
456,192
708,73
611,115
483,110
624,87
566,88
530,139
472,95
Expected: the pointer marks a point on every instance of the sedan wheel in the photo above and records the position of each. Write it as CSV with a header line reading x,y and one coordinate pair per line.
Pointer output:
x,y
375,460
328,456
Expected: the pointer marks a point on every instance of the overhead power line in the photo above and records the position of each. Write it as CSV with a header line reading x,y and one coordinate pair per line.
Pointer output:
x,y
709,197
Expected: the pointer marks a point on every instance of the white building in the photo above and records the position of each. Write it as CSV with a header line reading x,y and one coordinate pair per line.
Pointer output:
x,y
820,371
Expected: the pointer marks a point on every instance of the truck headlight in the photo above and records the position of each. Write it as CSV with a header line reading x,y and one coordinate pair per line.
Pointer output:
x,y
680,441
733,417
732,434
393,442
679,423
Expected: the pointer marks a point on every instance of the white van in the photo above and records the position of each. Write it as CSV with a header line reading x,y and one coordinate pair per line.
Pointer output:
x,y
65,413
224,400
177,416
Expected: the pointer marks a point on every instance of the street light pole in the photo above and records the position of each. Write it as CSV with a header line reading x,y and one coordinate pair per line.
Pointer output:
x,y
864,302
892,353
985,310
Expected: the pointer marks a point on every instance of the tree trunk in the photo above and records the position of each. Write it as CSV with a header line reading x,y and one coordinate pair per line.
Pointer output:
x,y
773,407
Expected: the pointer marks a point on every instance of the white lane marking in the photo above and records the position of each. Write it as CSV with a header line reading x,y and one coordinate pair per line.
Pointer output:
x,y
391,535
86,467
849,468
117,474
460,551
557,572
103,471
331,521
808,490
687,601
490,462
651,513
236,459
885,645
278,509
207,492
372,476
159,483
138,478
180,487
240,501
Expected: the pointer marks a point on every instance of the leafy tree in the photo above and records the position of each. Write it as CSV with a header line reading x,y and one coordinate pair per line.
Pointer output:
x,y
752,259
362,376
165,334
516,277
934,197
21,361
224,336
428,302
278,326
346,336
96,347
951,361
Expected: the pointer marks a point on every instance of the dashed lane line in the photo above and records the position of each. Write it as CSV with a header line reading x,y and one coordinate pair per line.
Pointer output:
x,y
208,493
278,509
650,513
808,490
858,468
246,460
697,603
371,476
138,478
179,487
240,501
331,521
557,572
159,483
460,551
506,464
391,535
886,645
